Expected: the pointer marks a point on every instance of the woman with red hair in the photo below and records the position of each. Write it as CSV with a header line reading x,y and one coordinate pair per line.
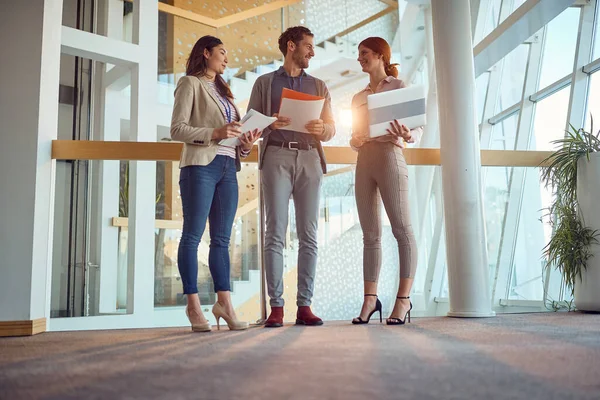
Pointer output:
x,y
381,172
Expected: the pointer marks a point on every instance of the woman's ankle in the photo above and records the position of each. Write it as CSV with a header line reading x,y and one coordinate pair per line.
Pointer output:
x,y
370,300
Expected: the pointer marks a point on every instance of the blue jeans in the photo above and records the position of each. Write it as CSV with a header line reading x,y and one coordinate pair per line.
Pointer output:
x,y
207,192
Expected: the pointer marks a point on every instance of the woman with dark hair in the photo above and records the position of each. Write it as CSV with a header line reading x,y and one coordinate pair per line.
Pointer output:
x,y
204,114
381,172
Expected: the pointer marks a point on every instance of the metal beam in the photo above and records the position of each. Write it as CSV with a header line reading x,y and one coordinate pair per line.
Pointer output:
x,y
505,114
117,78
514,30
592,67
99,48
552,88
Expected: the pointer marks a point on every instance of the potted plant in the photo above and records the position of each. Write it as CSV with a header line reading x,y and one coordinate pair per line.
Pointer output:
x,y
572,173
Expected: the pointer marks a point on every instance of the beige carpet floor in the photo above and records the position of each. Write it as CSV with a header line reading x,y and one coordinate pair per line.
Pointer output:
x,y
525,356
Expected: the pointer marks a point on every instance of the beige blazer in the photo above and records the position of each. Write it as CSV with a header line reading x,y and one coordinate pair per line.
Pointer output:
x,y
196,113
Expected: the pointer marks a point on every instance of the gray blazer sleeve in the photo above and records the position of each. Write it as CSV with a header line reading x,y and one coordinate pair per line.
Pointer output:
x,y
256,101
327,116
181,130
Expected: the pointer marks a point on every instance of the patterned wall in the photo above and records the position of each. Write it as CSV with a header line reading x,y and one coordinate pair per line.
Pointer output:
x,y
250,42
327,18
253,42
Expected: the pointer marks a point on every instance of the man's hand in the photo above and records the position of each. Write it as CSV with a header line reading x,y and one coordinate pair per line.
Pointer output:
x,y
316,127
280,123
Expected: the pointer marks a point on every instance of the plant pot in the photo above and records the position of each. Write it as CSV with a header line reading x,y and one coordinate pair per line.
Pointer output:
x,y
587,289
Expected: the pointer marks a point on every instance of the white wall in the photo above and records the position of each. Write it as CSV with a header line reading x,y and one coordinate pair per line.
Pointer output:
x,y
30,37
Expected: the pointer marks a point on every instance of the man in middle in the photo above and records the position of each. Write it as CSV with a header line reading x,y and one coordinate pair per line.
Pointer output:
x,y
292,164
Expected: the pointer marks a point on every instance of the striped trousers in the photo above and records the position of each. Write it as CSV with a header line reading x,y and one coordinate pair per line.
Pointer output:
x,y
381,173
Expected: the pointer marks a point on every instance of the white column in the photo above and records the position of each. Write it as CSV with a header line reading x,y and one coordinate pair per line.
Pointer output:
x,y
29,77
466,246
142,174
426,176
111,79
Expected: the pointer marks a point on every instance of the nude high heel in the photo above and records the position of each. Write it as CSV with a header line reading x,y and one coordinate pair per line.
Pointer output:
x,y
205,327
234,325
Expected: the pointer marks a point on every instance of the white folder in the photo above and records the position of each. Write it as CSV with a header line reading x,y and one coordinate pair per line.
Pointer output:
x,y
251,121
407,105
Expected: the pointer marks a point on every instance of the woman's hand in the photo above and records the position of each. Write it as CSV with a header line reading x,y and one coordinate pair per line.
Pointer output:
x,y
280,123
229,130
249,138
400,131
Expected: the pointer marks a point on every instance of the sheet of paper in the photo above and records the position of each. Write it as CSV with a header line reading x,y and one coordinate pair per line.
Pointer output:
x,y
251,121
300,108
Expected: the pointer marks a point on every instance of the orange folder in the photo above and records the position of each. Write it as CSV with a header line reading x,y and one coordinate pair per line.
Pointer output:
x,y
300,103
294,95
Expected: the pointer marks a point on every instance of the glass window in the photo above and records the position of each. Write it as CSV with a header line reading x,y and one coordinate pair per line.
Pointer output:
x,y
559,47
504,134
102,17
513,77
593,103
517,4
550,120
491,20
526,280
495,197
597,37
481,89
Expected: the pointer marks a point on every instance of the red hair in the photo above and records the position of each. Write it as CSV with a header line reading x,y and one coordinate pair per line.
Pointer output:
x,y
380,46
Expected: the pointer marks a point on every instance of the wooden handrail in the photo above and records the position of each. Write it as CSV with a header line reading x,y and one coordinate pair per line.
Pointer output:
x,y
148,151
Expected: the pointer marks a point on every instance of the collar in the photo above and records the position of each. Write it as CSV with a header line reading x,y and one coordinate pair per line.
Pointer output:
x,y
282,71
388,79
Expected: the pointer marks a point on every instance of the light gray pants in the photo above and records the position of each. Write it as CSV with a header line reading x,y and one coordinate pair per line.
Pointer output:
x,y
381,171
297,174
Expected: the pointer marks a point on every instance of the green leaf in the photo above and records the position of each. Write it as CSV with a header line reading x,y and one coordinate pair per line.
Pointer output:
x,y
568,248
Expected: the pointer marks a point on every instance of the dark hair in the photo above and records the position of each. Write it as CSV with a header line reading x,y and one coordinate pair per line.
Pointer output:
x,y
380,46
295,34
197,64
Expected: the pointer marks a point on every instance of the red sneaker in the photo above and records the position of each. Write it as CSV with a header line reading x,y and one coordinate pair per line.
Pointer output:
x,y
275,320
304,316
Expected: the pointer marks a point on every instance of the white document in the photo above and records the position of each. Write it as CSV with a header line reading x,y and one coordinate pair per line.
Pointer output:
x,y
300,112
407,105
251,121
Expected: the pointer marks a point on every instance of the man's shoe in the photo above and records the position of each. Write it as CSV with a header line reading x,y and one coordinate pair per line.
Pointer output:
x,y
304,316
275,320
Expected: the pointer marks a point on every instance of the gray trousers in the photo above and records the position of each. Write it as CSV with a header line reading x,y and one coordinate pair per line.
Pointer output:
x,y
289,174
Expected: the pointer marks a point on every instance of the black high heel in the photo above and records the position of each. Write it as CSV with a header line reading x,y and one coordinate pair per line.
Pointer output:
x,y
398,321
378,307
